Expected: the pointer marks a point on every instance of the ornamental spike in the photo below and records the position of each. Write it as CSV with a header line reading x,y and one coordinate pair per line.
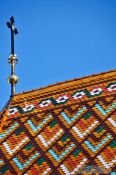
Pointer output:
x,y
12,79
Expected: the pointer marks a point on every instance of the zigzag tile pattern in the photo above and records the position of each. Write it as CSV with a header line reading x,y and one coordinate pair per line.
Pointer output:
x,y
73,138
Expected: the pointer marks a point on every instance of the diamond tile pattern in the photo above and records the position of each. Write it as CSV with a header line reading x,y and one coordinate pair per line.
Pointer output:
x,y
70,132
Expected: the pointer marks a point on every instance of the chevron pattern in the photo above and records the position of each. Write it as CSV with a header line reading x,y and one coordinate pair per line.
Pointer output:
x,y
70,139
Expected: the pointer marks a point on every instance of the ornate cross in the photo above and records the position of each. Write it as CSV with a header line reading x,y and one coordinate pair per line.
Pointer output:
x,y
13,31
13,79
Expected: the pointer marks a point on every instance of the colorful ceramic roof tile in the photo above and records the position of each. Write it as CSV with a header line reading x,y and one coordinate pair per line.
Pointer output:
x,y
64,129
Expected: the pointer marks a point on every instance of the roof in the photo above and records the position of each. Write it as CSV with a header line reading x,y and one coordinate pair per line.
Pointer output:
x,y
66,128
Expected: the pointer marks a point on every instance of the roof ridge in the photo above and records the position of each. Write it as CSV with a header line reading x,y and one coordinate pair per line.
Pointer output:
x,y
62,82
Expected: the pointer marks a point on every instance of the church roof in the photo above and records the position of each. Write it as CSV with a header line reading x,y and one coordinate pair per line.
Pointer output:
x,y
63,129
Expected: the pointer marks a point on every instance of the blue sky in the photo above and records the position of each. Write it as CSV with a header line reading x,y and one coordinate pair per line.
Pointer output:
x,y
58,40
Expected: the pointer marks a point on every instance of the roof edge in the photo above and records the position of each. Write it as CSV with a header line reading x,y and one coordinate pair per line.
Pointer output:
x,y
67,81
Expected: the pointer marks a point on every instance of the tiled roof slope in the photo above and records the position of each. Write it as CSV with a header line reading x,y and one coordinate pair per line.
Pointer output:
x,y
63,129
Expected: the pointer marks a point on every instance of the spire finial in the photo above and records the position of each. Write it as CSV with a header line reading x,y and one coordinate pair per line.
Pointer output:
x,y
13,79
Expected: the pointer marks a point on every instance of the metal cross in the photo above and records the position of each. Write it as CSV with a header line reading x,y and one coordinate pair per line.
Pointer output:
x,y
10,25
12,79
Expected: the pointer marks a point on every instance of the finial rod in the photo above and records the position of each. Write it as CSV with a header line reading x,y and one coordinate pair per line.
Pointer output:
x,y
13,79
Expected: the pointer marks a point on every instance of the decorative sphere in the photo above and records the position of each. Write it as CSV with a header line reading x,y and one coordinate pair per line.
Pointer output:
x,y
13,79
